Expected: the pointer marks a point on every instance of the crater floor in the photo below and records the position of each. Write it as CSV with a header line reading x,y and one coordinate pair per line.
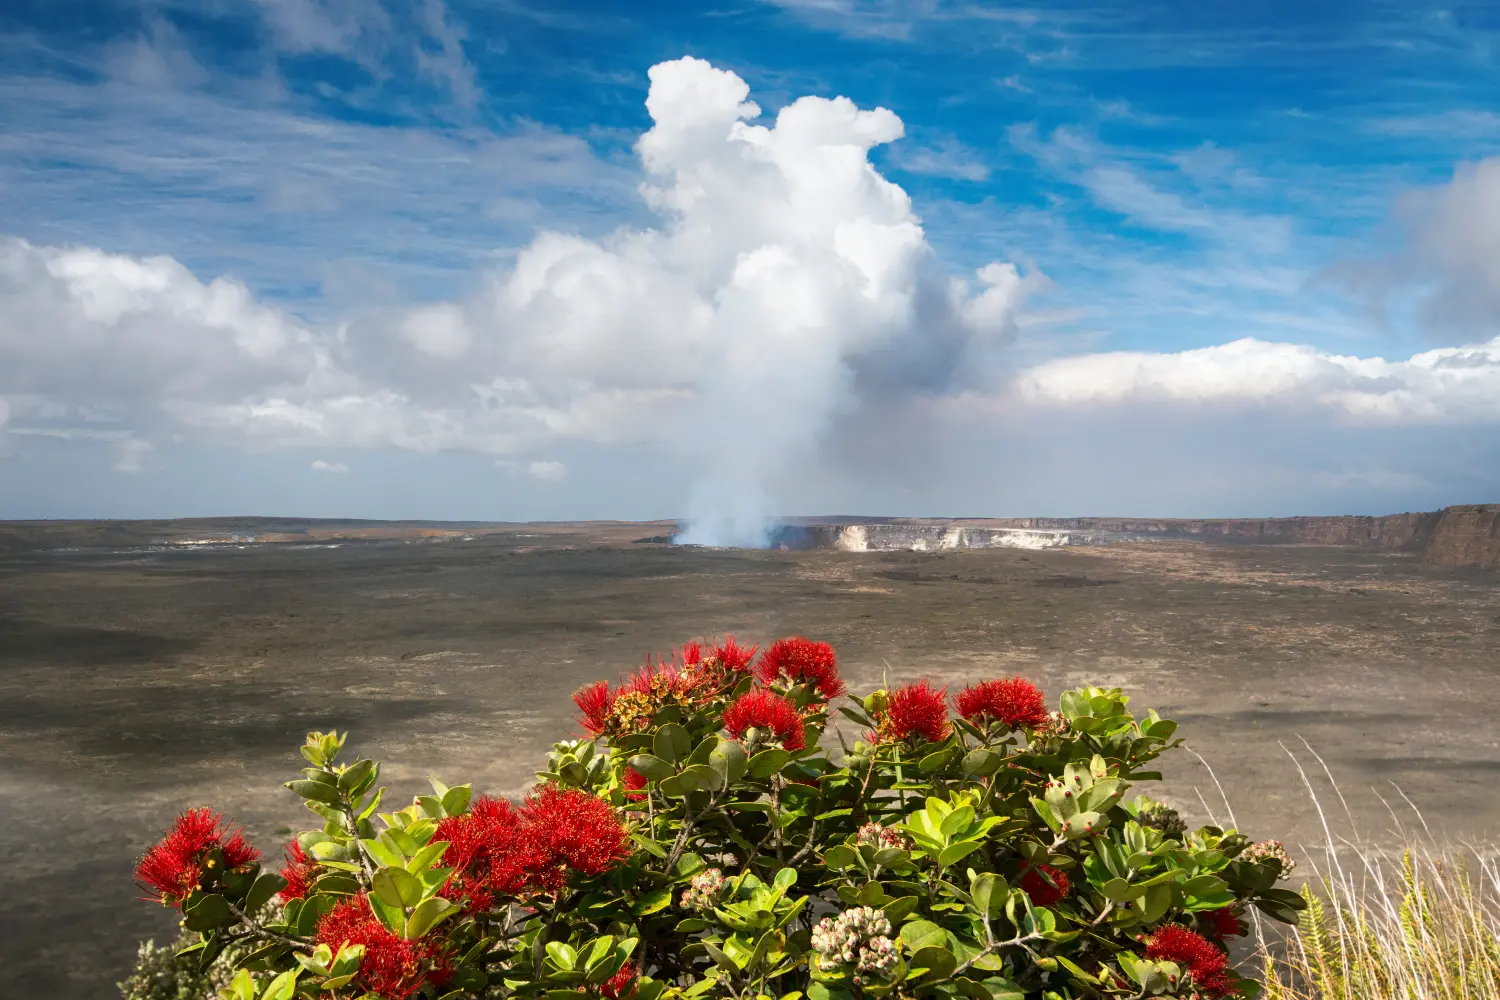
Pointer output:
x,y
134,682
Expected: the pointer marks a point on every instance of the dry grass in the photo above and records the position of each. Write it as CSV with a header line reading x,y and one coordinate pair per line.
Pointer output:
x,y
1421,922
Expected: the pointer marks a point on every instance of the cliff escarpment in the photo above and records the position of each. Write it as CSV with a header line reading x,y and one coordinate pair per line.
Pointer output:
x,y
1465,537
1453,538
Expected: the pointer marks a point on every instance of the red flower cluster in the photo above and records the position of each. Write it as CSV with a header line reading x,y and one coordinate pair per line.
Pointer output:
x,y
299,871
635,784
1014,702
1045,885
796,660
392,967
1205,964
620,986
1221,923
595,703
768,712
688,684
915,710
575,832
197,841
720,666
497,849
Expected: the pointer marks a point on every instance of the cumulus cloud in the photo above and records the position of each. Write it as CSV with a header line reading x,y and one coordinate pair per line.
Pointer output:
x,y
333,468
784,306
785,284
1447,385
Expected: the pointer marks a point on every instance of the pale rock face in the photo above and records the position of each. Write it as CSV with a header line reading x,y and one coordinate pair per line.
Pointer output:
x,y
929,538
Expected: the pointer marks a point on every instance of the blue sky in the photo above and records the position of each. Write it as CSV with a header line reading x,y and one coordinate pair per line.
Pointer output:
x,y
1163,177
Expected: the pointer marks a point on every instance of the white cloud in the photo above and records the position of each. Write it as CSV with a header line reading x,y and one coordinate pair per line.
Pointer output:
x,y
448,64
786,283
548,472
334,468
1448,385
119,333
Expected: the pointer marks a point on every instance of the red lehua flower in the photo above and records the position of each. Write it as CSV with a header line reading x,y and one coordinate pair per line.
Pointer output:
x,y
490,848
802,661
392,966
732,656
595,702
174,867
635,784
1205,964
769,712
660,681
620,986
574,832
1045,885
718,667
300,870
914,710
1221,923
1015,702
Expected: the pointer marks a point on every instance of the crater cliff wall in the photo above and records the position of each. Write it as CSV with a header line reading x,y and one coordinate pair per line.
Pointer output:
x,y
1453,538
1465,537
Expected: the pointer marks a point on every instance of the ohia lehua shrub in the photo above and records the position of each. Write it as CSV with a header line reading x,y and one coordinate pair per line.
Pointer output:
x,y
713,835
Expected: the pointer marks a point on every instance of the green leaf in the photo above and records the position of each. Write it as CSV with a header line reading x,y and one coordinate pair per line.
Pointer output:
x,y
989,893
705,777
456,799
355,773
649,845
981,762
397,886
939,962
919,934
1154,903
672,743
651,768
722,960
652,902
284,986
1120,891
898,909
690,864
207,913
786,878
317,791
768,762
372,805
563,955
935,761
266,885
728,758
425,858
242,986
428,914
957,821
386,855
678,785
839,856
954,853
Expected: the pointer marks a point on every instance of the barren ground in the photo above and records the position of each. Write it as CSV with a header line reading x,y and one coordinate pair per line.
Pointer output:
x,y
135,683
